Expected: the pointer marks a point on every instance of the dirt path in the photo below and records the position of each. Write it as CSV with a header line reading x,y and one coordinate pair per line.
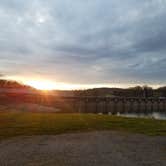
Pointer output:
x,y
85,149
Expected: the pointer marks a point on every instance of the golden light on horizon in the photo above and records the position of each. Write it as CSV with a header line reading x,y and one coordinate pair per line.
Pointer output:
x,y
50,85
41,85
46,84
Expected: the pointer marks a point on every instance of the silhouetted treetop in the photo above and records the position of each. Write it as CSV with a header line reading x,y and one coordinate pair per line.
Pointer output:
x,y
12,84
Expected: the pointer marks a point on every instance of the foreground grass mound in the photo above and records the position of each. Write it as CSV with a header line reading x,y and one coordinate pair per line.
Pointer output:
x,y
26,124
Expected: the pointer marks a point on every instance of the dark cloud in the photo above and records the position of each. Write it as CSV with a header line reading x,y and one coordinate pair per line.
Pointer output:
x,y
84,41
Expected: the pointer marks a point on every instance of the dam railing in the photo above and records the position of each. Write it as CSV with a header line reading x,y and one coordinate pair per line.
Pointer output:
x,y
113,105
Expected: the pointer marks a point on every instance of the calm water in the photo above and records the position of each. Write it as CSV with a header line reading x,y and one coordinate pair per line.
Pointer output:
x,y
154,115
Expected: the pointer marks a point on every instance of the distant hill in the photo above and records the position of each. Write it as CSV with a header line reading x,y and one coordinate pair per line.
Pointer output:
x,y
12,85
9,86
137,91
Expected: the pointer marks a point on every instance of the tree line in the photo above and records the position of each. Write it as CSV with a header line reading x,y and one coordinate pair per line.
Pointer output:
x,y
12,84
138,91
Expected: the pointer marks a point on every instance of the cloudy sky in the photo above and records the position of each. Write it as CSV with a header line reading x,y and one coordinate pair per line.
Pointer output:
x,y
84,42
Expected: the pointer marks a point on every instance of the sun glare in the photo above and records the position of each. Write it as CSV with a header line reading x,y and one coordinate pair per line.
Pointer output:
x,y
42,85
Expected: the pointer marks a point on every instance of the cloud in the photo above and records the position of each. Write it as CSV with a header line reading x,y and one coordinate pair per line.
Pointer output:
x,y
84,41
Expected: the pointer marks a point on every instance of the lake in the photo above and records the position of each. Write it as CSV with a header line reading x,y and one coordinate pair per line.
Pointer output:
x,y
154,115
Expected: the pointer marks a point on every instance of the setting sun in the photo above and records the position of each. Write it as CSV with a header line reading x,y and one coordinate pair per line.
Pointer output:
x,y
42,85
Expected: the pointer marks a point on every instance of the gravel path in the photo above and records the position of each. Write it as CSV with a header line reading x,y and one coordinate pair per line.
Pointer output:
x,y
84,149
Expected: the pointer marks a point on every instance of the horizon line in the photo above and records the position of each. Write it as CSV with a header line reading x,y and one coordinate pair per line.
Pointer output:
x,y
70,86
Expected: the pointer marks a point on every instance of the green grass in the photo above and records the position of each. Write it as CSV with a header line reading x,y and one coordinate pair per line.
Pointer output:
x,y
25,124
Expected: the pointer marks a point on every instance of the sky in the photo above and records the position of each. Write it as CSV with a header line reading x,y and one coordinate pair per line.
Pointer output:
x,y
81,43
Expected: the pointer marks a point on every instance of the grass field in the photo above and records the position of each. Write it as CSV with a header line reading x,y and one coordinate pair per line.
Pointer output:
x,y
25,124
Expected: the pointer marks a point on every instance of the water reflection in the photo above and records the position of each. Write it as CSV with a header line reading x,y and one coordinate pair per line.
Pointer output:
x,y
154,115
